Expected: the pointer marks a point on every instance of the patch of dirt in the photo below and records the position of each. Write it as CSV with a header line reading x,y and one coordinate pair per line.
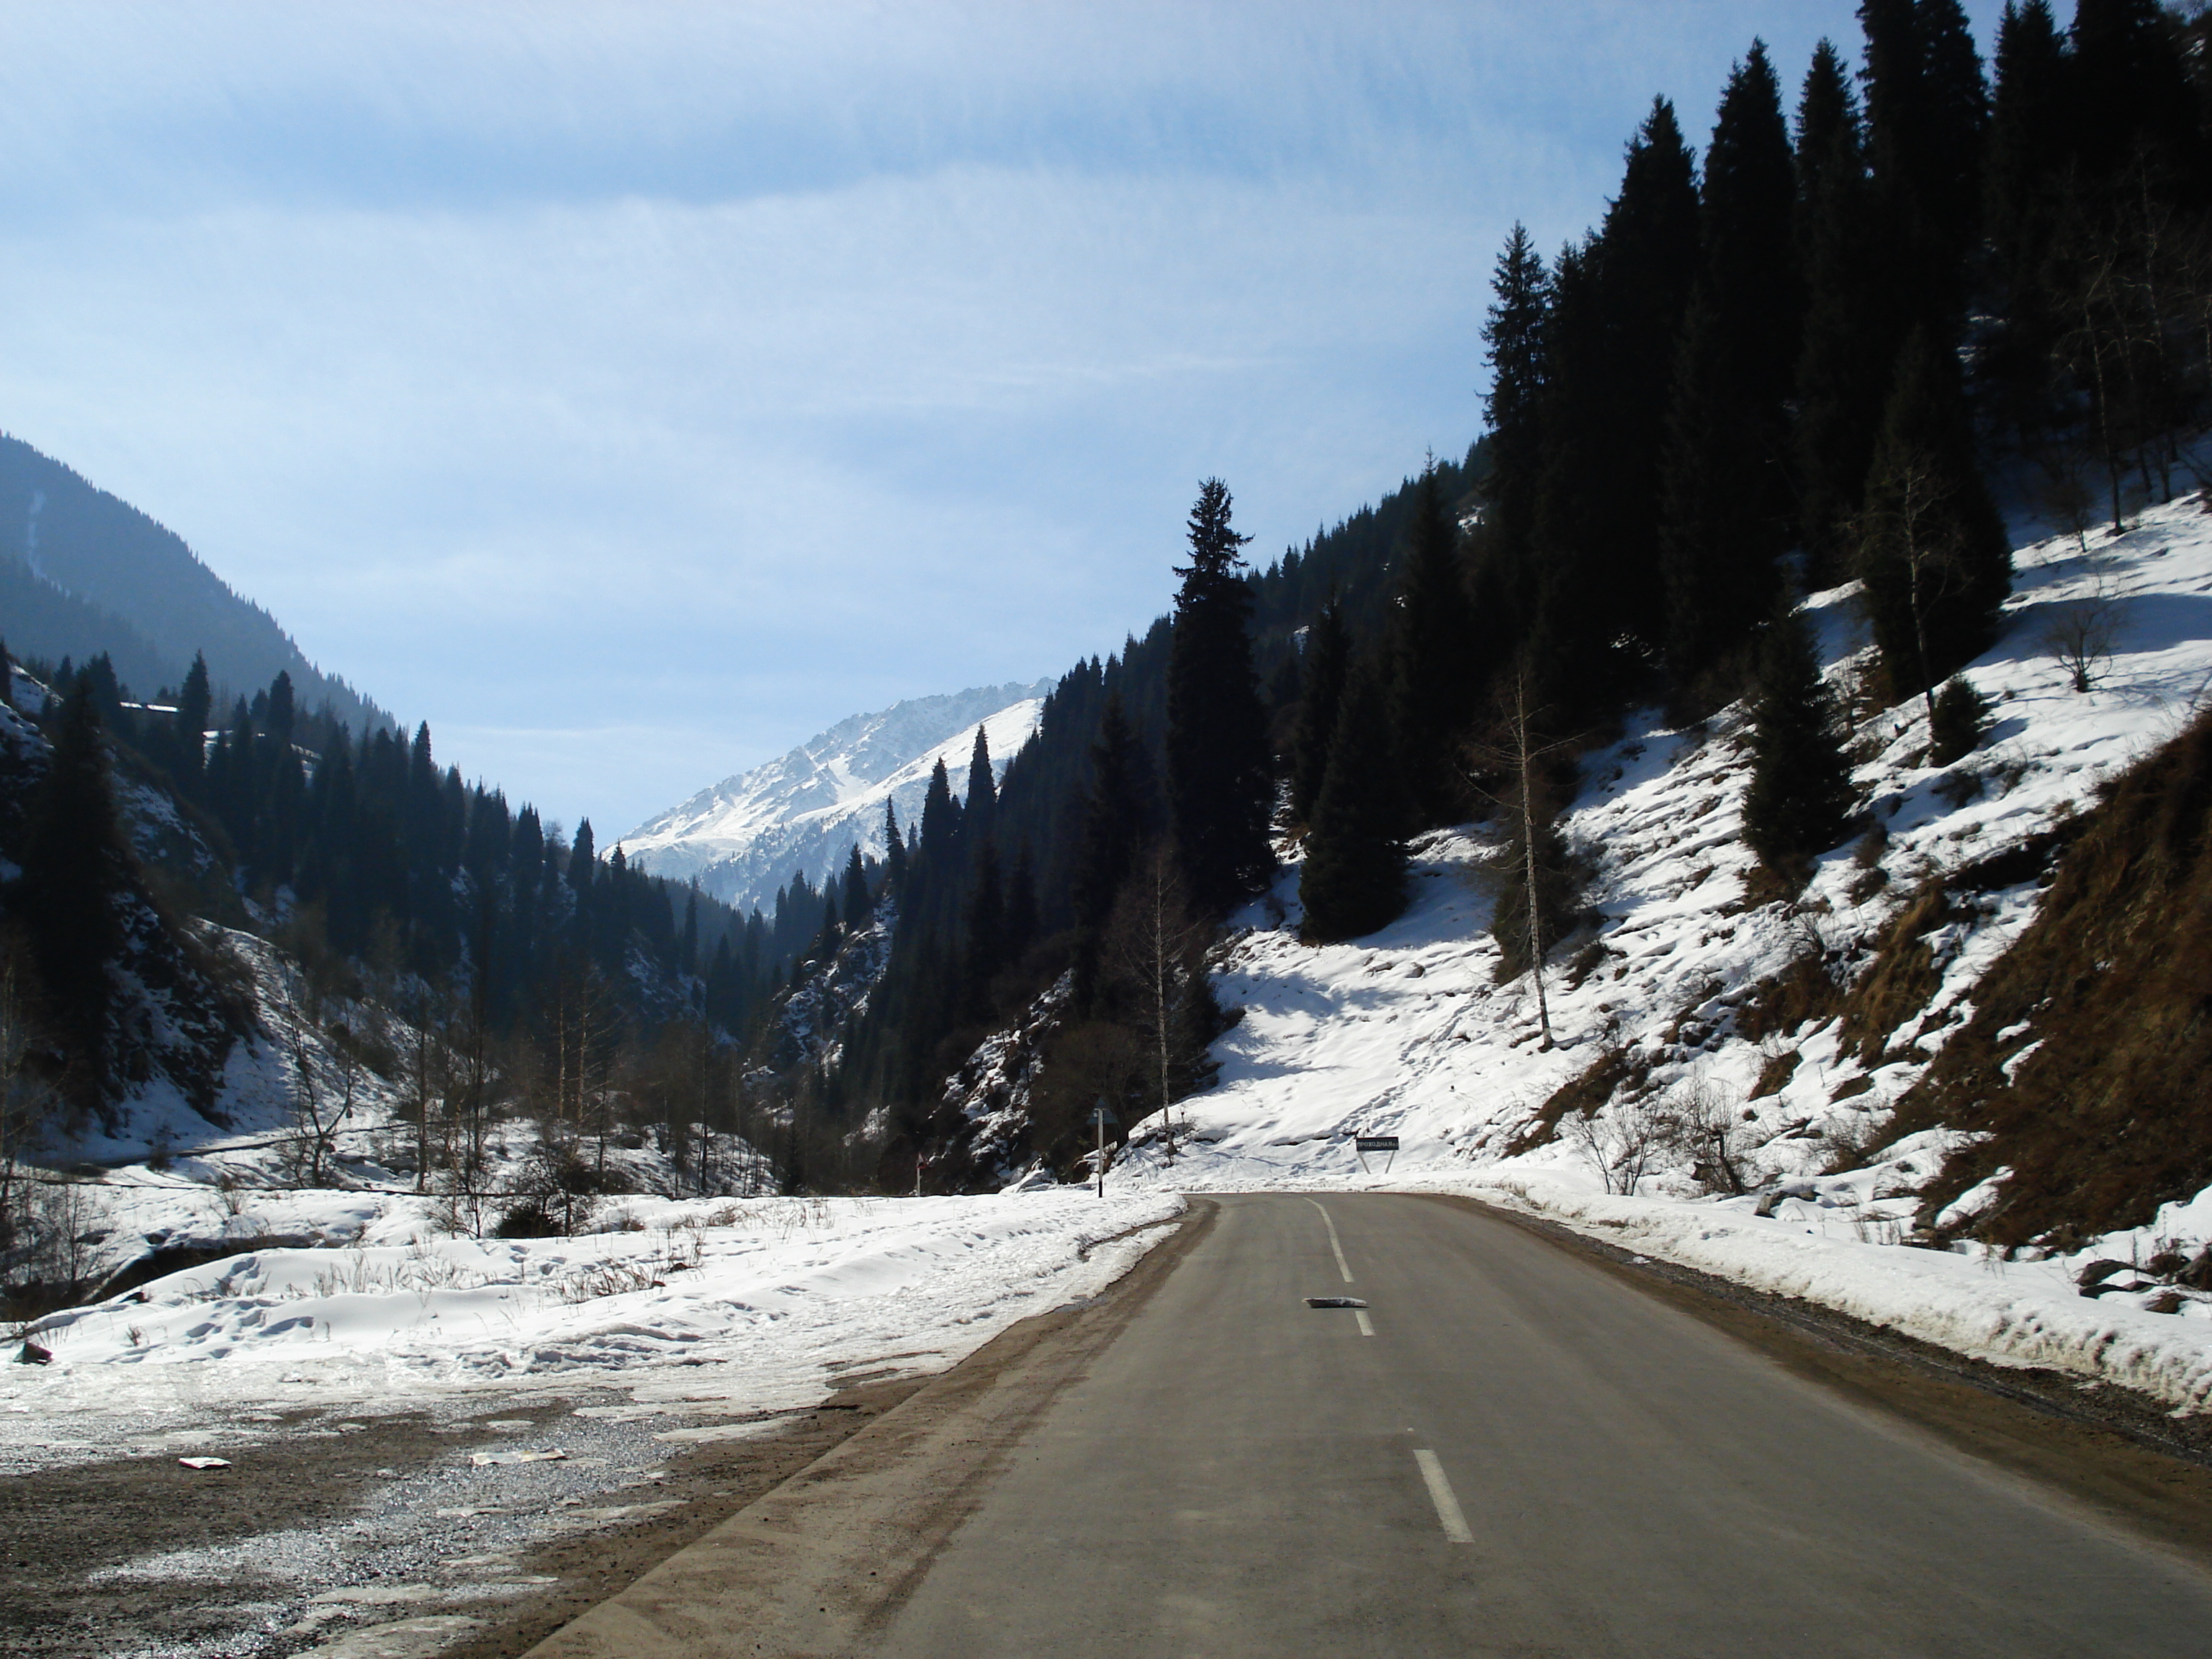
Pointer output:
x,y
710,1483
59,1526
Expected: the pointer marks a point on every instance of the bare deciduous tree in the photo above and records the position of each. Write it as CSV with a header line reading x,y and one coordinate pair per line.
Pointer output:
x,y
2081,635
1519,754
1153,941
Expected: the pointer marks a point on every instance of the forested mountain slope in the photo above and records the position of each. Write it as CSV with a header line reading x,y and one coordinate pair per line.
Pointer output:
x,y
82,573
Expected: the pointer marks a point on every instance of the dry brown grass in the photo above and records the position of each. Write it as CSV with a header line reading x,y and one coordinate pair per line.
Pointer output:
x,y
2110,1117
1613,1069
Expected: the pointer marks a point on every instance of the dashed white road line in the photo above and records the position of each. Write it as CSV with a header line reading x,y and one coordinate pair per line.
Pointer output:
x,y
1335,1243
1366,1325
1440,1494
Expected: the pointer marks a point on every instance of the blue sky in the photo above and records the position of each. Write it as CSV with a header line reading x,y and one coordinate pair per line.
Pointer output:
x,y
632,390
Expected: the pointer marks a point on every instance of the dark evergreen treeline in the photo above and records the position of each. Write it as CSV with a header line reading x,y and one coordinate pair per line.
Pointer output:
x,y
383,873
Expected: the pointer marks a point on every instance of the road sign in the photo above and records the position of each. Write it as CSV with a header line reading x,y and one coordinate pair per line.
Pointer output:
x,y
1386,1145
1103,1117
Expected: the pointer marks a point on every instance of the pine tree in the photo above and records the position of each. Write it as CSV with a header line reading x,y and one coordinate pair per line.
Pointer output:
x,y
78,874
582,861
1843,368
979,813
1219,790
858,903
1516,333
281,718
984,933
1728,497
894,852
1927,109
1022,921
2132,97
1933,553
1114,830
1955,727
1354,877
1432,680
940,819
1556,612
1647,264
1328,654
2024,187
1747,200
195,707
1717,547
1799,801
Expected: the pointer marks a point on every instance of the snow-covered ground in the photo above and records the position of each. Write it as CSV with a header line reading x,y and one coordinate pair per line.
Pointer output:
x,y
715,1309
1406,1032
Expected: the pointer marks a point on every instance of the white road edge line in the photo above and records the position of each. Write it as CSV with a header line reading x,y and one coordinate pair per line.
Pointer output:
x,y
1440,1494
1366,1325
1334,1243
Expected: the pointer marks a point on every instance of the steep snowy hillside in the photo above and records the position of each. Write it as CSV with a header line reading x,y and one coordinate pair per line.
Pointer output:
x,y
743,837
1724,1070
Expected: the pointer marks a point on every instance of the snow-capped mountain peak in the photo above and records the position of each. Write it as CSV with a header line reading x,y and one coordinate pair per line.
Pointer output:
x,y
745,836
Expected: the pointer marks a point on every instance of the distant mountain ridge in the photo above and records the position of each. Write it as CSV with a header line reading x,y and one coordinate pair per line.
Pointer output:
x,y
82,571
743,837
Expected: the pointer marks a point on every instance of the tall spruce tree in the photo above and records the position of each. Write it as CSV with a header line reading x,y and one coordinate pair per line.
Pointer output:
x,y
1327,655
1933,554
940,821
1560,618
1516,333
1647,264
1727,494
1799,801
1219,791
894,852
1354,877
859,904
980,810
1842,368
1718,549
78,877
1927,109
1114,828
1433,685
2133,102
195,708
2024,188
984,933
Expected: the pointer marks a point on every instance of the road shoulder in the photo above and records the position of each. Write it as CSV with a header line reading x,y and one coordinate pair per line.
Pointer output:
x,y
2120,1457
821,1565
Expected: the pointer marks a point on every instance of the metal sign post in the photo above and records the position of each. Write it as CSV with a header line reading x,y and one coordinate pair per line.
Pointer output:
x,y
1101,1115
1364,1144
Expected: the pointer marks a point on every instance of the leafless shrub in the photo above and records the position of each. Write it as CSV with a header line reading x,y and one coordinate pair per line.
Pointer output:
x,y
2079,636
1623,1144
1704,1122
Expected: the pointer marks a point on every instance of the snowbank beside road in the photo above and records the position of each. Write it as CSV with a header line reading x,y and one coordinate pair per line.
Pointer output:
x,y
735,1307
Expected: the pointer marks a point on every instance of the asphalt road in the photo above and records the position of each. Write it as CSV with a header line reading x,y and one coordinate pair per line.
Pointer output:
x,y
1526,1457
